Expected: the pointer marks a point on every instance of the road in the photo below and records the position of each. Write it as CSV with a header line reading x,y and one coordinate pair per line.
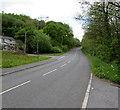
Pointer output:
x,y
59,84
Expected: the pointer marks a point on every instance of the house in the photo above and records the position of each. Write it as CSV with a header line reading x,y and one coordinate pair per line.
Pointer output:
x,y
7,43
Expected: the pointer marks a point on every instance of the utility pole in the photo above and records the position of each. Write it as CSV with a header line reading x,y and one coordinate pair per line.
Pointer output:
x,y
25,42
37,36
44,19
1,25
37,45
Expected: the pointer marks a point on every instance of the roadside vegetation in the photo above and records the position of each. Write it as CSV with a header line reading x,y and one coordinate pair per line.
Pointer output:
x,y
101,69
37,36
11,60
52,54
55,54
101,41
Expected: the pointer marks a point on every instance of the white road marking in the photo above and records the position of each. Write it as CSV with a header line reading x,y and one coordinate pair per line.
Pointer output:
x,y
61,57
84,104
15,87
92,88
49,72
63,65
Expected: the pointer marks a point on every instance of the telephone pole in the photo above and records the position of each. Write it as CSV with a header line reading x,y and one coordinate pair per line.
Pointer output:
x,y
37,36
42,19
25,42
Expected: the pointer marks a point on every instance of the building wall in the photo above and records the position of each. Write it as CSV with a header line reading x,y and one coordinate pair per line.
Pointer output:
x,y
6,44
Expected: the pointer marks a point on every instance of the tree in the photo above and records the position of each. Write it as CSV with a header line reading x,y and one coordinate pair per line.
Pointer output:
x,y
61,34
34,36
43,40
102,31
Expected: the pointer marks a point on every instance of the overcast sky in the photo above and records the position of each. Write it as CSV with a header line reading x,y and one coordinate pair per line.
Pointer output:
x,y
57,10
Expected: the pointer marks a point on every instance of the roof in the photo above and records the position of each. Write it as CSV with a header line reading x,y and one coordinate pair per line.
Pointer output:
x,y
6,37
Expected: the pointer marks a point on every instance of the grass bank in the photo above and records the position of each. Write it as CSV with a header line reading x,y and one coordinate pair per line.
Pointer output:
x,y
104,70
11,60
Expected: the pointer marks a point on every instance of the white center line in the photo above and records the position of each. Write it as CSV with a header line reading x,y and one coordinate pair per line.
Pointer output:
x,y
15,87
49,72
63,65
61,57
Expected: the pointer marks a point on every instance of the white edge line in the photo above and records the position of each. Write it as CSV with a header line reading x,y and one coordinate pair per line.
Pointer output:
x,y
85,102
15,87
63,65
49,72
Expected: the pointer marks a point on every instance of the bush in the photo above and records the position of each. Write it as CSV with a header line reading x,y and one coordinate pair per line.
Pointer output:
x,y
56,50
64,48
21,48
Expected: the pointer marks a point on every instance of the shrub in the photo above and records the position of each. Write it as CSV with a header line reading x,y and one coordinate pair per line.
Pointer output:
x,y
64,48
56,50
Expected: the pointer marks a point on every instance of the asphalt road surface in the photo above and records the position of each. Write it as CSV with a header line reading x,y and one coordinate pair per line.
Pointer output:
x,y
59,84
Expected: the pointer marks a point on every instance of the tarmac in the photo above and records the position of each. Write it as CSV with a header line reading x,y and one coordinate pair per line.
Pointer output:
x,y
103,94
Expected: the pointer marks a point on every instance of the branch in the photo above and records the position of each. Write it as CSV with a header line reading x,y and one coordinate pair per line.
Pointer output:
x,y
117,5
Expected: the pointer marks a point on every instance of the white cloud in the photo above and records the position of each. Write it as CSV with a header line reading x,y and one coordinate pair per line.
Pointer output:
x,y
57,10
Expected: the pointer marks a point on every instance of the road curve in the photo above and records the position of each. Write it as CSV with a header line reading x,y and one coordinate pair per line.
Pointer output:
x,y
59,84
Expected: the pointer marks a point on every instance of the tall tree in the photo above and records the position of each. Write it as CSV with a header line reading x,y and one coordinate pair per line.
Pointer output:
x,y
102,30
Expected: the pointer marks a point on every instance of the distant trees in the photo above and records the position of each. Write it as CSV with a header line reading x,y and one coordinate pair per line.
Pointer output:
x,y
35,36
61,34
102,36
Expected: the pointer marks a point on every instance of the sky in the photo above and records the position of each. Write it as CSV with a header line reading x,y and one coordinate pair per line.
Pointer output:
x,y
57,10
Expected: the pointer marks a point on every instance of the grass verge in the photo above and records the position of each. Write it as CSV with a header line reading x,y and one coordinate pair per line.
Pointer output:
x,y
11,60
104,70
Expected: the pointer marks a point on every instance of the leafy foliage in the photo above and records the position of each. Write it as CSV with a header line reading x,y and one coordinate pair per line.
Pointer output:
x,y
102,36
56,50
105,70
35,36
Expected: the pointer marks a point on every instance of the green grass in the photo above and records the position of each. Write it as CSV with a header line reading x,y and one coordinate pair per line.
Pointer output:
x,y
52,54
11,60
104,70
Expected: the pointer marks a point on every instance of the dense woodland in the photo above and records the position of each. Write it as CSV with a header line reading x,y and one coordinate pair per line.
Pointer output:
x,y
101,21
34,36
